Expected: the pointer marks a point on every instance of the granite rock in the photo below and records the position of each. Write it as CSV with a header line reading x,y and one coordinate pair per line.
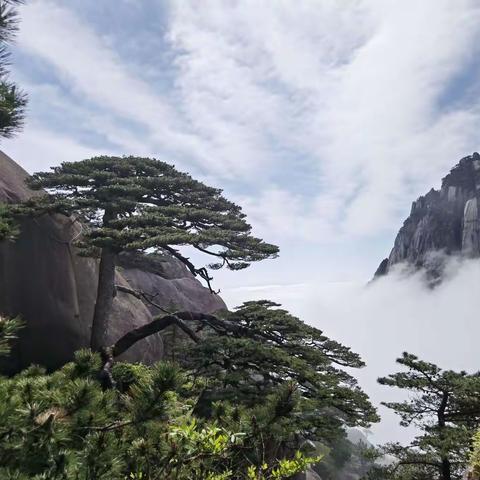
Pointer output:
x,y
441,223
52,288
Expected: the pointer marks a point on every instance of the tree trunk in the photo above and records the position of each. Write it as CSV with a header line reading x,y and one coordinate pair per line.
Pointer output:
x,y
445,466
446,469
103,304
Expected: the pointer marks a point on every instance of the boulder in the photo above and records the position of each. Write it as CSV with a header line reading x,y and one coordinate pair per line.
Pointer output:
x,y
45,281
167,279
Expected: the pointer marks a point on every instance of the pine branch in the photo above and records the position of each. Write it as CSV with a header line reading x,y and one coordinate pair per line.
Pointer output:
x,y
157,325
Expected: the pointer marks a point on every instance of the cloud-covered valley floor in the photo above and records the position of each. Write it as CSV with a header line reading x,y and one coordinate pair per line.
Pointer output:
x,y
394,314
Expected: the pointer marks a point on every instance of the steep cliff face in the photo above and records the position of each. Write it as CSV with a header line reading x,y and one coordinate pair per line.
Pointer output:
x,y
445,220
46,282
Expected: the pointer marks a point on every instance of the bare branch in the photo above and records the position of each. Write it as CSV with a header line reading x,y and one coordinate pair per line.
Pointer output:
x,y
215,254
201,272
157,325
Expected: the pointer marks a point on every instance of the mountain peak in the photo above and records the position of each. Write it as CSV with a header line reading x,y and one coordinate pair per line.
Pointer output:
x,y
441,221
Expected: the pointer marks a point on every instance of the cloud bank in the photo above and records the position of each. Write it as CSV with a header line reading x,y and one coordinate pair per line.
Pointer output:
x,y
394,314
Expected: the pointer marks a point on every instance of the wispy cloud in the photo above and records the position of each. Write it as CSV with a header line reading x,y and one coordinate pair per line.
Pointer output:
x,y
93,73
324,118
347,91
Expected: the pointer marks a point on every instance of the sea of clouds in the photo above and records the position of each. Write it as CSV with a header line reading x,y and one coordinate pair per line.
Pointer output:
x,y
391,315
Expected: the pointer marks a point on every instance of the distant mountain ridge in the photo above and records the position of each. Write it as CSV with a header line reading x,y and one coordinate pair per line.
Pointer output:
x,y
442,221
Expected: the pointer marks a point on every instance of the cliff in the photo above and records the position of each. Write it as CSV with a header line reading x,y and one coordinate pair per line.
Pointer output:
x,y
442,221
52,288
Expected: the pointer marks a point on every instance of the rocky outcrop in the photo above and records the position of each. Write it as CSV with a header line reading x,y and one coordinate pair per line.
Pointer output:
x,y
167,278
46,282
442,221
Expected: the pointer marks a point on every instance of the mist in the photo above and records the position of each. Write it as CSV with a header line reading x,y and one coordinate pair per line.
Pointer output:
x,y
396,313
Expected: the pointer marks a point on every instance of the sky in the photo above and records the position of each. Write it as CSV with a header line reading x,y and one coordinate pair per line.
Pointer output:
x,y
324,119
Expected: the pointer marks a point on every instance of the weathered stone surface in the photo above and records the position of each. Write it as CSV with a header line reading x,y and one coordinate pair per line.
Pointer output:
x,y
46,282
445,220
171,283
471,228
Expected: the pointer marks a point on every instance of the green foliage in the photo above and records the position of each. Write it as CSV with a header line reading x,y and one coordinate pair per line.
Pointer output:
x,y
445,406
286,468
65,426
132,203
12,100
8,332
8,225
474,459
260,353
12,107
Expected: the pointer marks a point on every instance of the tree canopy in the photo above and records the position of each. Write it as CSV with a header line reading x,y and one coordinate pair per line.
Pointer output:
x,y
132,203
247,355
260,346
140,204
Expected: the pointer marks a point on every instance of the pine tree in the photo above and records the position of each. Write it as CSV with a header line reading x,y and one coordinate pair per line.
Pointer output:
x,y
257,351
445,406
139,204
260,348
12,100
63,425
8,333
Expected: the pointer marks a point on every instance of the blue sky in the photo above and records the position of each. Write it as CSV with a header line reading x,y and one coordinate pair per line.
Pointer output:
x,y
319,115
323,118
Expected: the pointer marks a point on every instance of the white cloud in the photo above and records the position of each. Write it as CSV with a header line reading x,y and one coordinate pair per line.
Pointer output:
x,y
380,321
40,148
95,73
341,95
352,86
278,213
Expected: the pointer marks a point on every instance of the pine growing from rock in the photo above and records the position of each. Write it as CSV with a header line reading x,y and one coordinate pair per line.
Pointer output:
x,y
139,204
260,348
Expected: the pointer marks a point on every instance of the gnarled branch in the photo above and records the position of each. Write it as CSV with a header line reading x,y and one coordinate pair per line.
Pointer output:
x,y
158,324
201,272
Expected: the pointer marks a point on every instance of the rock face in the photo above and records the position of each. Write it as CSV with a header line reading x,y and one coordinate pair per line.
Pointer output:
x,y
445,220
53,289
167,278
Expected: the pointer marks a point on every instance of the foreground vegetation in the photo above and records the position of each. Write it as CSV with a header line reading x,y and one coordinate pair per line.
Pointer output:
x,y
64,425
